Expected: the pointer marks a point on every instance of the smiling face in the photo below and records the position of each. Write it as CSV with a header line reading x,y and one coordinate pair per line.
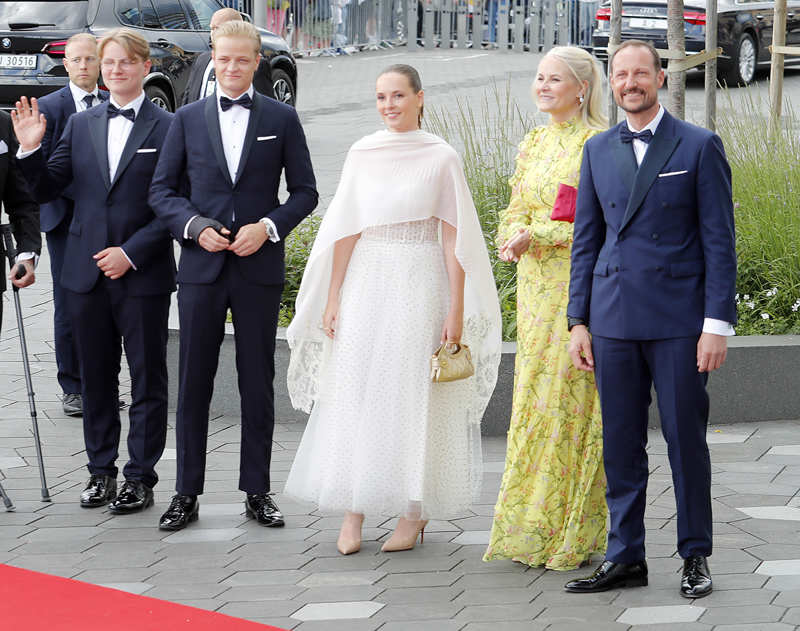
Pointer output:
x,y
235,62
123,72
82,63
635,81
397,103
556,89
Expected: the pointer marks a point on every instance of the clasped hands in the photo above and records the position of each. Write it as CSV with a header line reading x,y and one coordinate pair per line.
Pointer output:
x,y
513,249
249,239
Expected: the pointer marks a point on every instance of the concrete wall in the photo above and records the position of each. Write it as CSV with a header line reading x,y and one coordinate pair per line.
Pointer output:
x,y
760,381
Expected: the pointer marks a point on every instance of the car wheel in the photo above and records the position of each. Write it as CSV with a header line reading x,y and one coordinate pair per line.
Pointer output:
x,y
743,63
158,97
282,84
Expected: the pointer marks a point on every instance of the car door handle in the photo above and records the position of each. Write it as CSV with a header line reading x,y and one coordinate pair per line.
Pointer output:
x,y
790,15
162,43
759,17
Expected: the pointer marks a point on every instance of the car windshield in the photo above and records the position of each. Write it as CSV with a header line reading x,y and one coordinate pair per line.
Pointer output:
x,y
20,16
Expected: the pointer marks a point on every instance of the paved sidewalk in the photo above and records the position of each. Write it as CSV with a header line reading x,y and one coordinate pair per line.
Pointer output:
x,y
293,577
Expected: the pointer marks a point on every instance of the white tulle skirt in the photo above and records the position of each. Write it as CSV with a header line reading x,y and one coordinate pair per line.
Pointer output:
x,y
382,439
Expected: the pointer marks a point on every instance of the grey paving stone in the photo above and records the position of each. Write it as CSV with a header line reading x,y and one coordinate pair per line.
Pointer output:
x,y
277,547
578,614
131,588
562,598
271,577
261,592
350,562
119,559
596,626
420,611
499,596
489,579
743,615
186,591
481,613
730,597
339,625
788,598
353,577
337,610
270,562
260,609
409,595
762,626
202,535
665,614
341,593
180,562
196,575
792,616
115,575
513,625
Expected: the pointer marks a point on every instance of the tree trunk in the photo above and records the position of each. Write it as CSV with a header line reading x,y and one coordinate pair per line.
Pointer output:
x,y
676,41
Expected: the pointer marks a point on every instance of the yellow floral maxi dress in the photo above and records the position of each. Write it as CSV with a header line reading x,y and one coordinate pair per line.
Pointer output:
x,y
551,509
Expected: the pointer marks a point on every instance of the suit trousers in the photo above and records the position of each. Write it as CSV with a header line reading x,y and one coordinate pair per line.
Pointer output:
x,y
203,309
625,371
69,377
103,320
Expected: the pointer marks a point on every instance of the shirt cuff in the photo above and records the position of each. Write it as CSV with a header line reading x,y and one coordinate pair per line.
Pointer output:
x,y
24,154
27,256
125,254
272,231
186,227
718,327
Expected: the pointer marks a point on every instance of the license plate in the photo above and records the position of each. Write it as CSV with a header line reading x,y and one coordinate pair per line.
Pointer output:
x,y
648,23
17,61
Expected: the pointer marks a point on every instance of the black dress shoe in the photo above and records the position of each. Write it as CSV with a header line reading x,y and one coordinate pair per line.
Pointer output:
x,y
183,509
72,404
99,491
611,575
134,495
696,578
264,510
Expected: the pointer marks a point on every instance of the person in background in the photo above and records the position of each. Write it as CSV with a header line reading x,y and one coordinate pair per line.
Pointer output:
x,y
551,509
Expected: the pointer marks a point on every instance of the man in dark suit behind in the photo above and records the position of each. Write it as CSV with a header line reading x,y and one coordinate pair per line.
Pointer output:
x,y
653,277
81,93
121,268
202,77
216,188
22,210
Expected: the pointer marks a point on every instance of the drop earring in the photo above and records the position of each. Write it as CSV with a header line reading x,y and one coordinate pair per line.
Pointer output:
x,y
580,99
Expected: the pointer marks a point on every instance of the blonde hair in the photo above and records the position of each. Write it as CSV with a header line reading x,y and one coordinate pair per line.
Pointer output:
x,y
242,29
227,14
133,43
584,67
81,37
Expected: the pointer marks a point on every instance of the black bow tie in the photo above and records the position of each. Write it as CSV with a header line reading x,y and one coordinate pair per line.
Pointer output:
x,y
115,111
626,135
245,101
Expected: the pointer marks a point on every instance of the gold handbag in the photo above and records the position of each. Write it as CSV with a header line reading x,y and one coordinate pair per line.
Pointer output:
x,y
451,361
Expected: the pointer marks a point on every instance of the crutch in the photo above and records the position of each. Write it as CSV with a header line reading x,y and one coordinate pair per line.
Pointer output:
x,y
11,252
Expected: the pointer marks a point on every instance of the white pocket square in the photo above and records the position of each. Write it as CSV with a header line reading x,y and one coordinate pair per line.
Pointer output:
x,y
3,147
266,138
672,173
146,150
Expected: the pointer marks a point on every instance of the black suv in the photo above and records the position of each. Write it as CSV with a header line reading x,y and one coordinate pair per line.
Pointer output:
x,y
33,35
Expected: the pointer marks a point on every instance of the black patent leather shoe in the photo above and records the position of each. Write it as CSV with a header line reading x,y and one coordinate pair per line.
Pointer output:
x,y
696,578
611,575
183,510
264,510
134,495
99,491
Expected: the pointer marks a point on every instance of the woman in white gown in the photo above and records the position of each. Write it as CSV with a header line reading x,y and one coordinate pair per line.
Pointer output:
x,y
399,265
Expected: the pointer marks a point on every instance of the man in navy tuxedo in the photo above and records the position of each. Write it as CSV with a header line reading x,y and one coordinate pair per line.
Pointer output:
x,y
653,277
81,93
121,268
216,189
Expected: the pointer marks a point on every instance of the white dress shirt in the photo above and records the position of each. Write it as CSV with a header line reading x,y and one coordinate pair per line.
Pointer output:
x,y
710,325
78,94
233,129
119,128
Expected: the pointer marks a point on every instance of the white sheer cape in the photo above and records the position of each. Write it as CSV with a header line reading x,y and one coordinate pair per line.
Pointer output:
x,y
429,169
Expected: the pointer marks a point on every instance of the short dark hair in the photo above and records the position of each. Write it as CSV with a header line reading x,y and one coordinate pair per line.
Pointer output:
x,y
630,43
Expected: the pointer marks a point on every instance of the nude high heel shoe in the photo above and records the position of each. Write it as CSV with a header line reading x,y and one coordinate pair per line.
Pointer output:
x,y
397,543
347,543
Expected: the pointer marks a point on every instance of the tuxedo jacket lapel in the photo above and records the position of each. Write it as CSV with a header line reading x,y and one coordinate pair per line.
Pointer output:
x,y
142,126
250,134
661,148
625,161
69,103
215,136
98,130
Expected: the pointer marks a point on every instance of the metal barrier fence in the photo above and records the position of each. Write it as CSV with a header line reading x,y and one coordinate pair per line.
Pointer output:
x,y
346,26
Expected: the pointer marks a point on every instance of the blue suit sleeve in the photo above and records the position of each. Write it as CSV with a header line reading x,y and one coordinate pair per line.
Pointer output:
x,y
300,180
167,190
48,179
717,233
587,240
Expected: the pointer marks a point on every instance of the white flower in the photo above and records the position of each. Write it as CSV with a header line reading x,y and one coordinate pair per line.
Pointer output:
x,y
746,297
795,307
736,297
772,292
765,316
750,304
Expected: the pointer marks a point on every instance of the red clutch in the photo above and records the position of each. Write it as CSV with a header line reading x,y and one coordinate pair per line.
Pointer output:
x,y
564,206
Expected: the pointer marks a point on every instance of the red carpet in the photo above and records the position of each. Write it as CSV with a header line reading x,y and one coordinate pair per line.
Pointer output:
x,y
31,601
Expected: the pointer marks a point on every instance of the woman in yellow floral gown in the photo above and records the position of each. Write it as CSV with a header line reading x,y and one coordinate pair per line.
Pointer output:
x,y
551,510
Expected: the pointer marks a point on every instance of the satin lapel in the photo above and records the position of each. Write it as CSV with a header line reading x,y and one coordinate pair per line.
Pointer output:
x,y
250,134
98,130
661,147
142,127
215,135
625,161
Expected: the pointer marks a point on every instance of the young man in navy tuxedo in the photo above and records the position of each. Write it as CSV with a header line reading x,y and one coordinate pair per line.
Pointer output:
x,y
216,188
81,93
653,277
121,268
